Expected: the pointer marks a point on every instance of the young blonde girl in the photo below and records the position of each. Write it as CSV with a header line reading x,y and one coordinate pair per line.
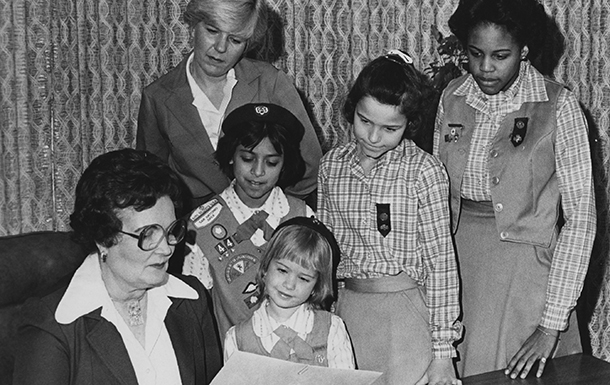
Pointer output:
x,y
296,277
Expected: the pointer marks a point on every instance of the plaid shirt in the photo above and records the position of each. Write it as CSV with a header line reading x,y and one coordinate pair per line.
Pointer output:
x,y
574,175
419,243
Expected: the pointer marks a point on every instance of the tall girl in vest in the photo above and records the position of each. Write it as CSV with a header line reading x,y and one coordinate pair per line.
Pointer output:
x,y
516,150
386,201
259,151
296,275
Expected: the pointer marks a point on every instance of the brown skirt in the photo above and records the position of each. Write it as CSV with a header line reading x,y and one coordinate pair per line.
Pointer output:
x,y
389,331
503,293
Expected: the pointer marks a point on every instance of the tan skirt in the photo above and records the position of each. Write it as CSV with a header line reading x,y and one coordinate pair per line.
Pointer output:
x,y
503,293
389,330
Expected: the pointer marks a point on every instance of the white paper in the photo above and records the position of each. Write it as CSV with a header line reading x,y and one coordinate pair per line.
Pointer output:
x,y
254,369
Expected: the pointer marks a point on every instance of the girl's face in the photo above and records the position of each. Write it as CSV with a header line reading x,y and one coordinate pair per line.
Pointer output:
x,y
378,127
288,285
256,171
493,58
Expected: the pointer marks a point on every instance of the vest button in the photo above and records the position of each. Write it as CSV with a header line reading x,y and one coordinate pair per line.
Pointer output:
x,y
493,153
503,235
495,180
499,207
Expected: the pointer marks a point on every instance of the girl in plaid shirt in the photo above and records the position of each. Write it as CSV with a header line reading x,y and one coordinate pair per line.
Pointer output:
x,y
386,201
516,149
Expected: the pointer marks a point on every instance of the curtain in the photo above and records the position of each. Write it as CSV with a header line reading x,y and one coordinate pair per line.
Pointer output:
x,y
72,71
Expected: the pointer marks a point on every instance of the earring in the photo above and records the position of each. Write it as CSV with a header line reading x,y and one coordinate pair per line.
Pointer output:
x,y
104,256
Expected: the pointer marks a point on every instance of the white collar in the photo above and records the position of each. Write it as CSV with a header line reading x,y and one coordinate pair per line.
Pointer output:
x,y
87,292
200,99
276,205
301,321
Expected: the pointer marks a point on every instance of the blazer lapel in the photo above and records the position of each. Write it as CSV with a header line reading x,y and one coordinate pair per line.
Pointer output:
x,y
180,329
180,104
244,92
106,342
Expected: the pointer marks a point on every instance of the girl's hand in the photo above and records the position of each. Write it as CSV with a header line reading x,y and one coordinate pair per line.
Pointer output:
x,y
441,372
539,346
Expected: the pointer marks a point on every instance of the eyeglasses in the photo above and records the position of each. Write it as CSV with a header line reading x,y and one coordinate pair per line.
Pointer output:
x,y
151,236
402,59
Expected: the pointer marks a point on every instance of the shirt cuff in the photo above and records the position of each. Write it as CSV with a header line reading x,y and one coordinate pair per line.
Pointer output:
x,y
443,349
555,318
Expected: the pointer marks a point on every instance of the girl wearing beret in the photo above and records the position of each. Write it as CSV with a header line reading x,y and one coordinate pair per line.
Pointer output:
x,y
259,151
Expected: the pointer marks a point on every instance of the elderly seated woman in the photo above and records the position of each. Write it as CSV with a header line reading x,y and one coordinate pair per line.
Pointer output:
x,y
122,319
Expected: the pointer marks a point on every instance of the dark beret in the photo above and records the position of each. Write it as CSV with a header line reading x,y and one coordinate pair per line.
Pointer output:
x,y
264,112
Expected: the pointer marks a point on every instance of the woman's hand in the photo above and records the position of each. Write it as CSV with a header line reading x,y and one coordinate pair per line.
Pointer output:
x,y
539,346
440,372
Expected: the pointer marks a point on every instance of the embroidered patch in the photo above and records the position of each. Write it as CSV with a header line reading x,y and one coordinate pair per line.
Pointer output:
x,y
252,300
230,244
206,213
250,288
238,265
519,130
218,231
455,131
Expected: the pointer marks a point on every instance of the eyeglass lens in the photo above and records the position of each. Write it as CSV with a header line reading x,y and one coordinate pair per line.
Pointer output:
x,y
152,235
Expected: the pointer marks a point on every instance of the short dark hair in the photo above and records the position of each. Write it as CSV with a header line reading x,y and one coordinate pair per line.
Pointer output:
x,y
390,82
524,20
117,180
249,134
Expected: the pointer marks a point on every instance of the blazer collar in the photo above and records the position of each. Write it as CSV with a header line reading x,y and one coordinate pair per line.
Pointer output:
x,y
107,343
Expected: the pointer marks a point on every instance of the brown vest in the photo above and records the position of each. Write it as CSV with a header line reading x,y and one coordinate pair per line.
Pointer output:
x,y
247,341
233,262
523,180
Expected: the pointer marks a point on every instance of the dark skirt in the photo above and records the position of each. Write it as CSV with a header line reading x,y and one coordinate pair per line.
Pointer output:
x,y
503,292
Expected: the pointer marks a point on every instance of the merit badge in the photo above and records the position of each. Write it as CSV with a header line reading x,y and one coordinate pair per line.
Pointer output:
x,y
251,287
455,130
383,218
519,130
238,265
252,300
206,213
254,297
219,232
222,250
229,243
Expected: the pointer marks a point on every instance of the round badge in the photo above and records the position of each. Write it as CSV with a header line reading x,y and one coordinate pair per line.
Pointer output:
x,y
219,232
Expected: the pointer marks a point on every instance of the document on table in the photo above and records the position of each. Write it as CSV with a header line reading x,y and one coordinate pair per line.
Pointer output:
x,y
253,369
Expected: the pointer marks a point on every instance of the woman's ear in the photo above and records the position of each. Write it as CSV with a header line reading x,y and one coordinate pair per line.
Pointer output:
x,y
524,52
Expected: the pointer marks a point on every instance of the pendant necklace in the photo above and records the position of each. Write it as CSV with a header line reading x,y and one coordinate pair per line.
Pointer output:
x,y
134,310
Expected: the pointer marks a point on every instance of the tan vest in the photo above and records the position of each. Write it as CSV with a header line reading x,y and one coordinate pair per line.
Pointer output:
x,y
233,262
523,180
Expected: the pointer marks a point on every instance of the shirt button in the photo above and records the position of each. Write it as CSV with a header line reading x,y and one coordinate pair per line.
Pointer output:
x,y
495,180
493,153
503,235
499,207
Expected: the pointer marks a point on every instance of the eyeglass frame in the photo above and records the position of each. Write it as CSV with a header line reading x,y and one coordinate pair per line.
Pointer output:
x,y
140,236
